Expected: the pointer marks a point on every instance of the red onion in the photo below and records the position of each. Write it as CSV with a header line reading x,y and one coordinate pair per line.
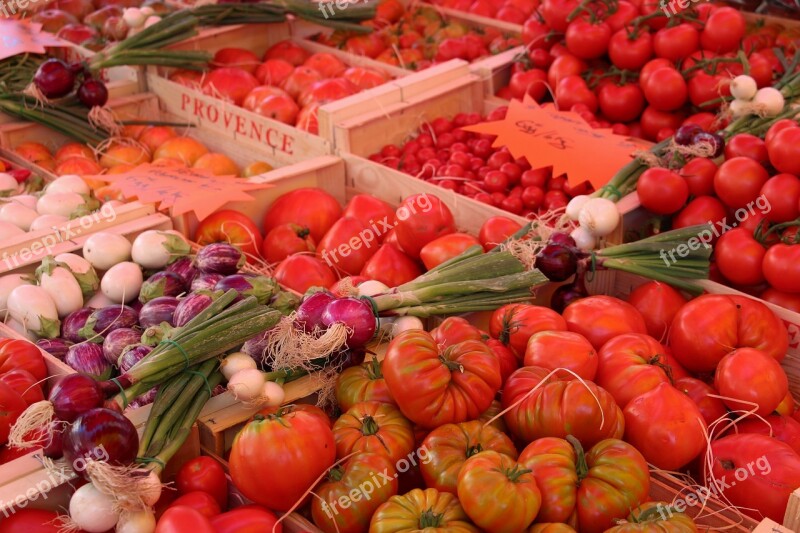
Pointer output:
x,y
161,284
93,93
309,312
219,258
158,310
75,394
357,315
557,262
566,294
88,358
116,342
54,79
256,346
102,435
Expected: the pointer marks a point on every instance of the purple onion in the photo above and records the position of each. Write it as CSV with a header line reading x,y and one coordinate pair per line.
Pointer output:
x,y
684,135
354,313
74,322
716,141
158,310
88,358
219,258
161,284
56,347
205,282
73,395
116,342
261,287
564,239
184,268
557,262
566,294
190,307
106,319
309,312
132,355
102,435
256,347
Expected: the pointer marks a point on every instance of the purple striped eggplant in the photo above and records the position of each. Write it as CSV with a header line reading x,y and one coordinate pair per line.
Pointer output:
x,y
206,282
56,347
158,310
190,307
116,342
106,319
184,267
88,358
132,355
262,287
161,284
219,258
74,322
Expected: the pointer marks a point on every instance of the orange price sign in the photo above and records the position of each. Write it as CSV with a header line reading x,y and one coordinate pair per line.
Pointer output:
x,y
546,136
22,37
181,190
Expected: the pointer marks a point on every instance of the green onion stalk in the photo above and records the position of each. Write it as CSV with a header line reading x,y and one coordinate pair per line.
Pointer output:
x,y
624,181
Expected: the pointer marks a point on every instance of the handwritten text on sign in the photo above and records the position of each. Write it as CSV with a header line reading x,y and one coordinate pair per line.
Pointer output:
x,y
546,136
182,189
19,37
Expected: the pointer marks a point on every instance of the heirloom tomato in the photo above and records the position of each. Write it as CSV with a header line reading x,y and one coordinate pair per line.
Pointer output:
x,y
246,519
702,394
421,219
181,519
453,330
362,383
233,227
551,527
490,416
11,406
601,318
514,324
658,303
422,510
559,408
347,245
784,428
749,378
23,384
374,427
508,361
285,240
588,491
434,386
311,208
655,517
307,408
562,349
448,446
18,354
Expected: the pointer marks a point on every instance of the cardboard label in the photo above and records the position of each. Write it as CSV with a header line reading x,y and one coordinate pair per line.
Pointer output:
x,y
22,37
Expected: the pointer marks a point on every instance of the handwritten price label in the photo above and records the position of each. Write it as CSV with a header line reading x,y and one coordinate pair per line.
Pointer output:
x,y
22,37
546,136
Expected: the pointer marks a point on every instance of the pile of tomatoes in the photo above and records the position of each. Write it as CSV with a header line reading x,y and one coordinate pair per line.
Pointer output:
x,y
637,71
444,154
287,84
488,430
751,196
418,37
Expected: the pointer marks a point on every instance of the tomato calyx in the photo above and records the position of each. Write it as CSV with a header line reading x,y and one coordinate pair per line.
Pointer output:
x,y
473,450
374,369
653,514
660,360
727,464
336,473
430,519
517,471
451,365
581,468
368,426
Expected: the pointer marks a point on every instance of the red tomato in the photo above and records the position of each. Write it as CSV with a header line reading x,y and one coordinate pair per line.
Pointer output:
x,y
555,13
250,520
747,376
662,191
182,519
665,89
783,299
454,330
496,230
347,246
701,210
654,121
601,318
391,266
705,89
515,324
588,40
235,57
300,272
311,208
274,72
782,194
288,51
445,248
625,13
562,349
373,212
630,54
204,474
723,31
739,257
739,180
508,361
783,428
275,458
677,42
780,266
699,175
24,384
746,145
233,227
200,501
658,303
11,406
701,393
784,150
755,472
19,354
563,66
531,82
32,521
422,218
621,103
572,90
229,84
666,426
285,240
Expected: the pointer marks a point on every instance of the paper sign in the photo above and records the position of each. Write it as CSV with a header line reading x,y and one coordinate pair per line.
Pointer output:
x,y
21,37
546,136
181,189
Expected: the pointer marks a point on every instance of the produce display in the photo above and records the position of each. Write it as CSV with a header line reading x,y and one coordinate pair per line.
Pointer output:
x,y
402,325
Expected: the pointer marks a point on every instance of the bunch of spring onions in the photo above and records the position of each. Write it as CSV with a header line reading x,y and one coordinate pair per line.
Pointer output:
x,y
777,103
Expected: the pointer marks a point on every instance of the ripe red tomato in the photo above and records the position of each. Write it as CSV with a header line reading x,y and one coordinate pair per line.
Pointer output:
x,y
601,318
497,229
274,72
347,246
248,519
588,40
781,265
662,191
233,227
275,458
372,212
747,145
703,395
203,474
300,272
445,248
739,180
229,84
783,299
653,121
625,13
435,387
784,150
11,406
701,210
454,330
723,31
391,266
706,89
235,57
24,384
755,472
18,354
739,257
507,359
782,194
374,427
666,426
665,89
621,103
677,42
710,326
285,240
559,408
562,349
572,90
699,175
563,66
515,324
531,82
630,54
422,218
555,13
658,303
200,501
783,428
311,208
288,51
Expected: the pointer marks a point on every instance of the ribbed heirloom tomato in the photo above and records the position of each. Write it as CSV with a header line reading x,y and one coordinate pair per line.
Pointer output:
x,y
435,387
601,318
22,355
233,227
374,427
587,490
422,510
448,446
652,516
362,383
453,330
562,349
514,324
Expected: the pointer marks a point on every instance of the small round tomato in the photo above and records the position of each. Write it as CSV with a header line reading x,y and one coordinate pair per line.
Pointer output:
x,y
587,40
422,218
662,191
497,229
630,53
739,181
445,248
658,303
200,501
621,103
723,31
747,145
562,349
749,378
300,272
666,90
285,240
783,299
203,474
739,257
699,175
677,42
601,318
374,427
514,324
781,265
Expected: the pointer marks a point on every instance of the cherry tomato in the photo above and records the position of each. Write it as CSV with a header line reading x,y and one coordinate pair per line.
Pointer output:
x,y
563,66
653,121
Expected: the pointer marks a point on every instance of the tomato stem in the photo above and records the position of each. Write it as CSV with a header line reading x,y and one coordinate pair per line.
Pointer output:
x,y
374,369
581,467
430,519
661,361
513,474
369,426
336,473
